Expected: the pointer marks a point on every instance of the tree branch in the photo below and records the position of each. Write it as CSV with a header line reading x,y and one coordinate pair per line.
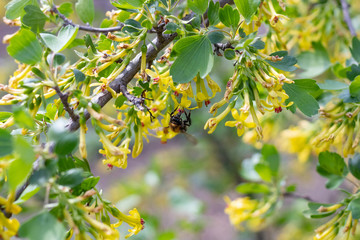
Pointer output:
x,y
86,28
64,100
347,19
120,83
295,195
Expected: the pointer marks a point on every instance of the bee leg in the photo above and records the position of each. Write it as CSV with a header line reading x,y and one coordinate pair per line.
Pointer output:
x,y
187,122
172,113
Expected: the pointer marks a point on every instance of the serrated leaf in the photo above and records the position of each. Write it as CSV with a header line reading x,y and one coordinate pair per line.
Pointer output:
x,y
194,55
42,227
247,8
354,165
314,63
332,85
213,13
303,100
85,10
25,48
229,17
198,6
58,43
355,50
34,18
308,85
286,64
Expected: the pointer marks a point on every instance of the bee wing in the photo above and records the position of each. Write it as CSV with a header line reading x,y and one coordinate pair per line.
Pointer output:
x,y
191,138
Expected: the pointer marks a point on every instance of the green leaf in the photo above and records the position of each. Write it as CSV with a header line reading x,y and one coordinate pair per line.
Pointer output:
x,y
333,163
43,227
20,168
66,9
308,85
332,85
79,76
264,171
303,100
146,24
346,97
354,165
89,43
128,4
313,213
23,118
85,10
87,184
355,50
213,13
58,43
229,17
6,143
30,191
314,63
71,178
15,8
354,72
172,27
247,170
251,188
355,88
247,8
34,18
198,6
5,116
194,55
65,141
216,37
120,101
271,156
291,188
354,207
286,64
25,48
229,54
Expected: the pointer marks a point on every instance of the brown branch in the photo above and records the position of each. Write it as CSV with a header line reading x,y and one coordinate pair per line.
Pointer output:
x,y
295,195
120,83
86,28
64,100
347,19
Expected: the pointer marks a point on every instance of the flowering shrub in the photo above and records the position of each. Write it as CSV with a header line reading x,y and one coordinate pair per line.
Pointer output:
x,y
155,60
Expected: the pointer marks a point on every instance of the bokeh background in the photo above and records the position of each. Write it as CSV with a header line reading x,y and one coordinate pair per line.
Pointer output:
x,y
179,187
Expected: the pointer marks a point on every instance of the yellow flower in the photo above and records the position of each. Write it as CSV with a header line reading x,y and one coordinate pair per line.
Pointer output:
x,y
213,122
240,209
240,122
115,156
164,80
138,146
134,221
8,227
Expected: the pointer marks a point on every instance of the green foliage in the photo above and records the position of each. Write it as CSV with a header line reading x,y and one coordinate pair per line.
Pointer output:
x,y
85,10
194,56
58,43
247,8
25,48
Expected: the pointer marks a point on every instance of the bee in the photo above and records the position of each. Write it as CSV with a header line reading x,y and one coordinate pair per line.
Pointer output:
x,y
179,125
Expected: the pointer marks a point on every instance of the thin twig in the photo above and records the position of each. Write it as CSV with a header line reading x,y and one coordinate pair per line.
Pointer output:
x,y
64,100
347,19
295,195
86,28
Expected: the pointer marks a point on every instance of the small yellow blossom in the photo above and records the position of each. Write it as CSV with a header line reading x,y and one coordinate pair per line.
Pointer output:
x,y
240,121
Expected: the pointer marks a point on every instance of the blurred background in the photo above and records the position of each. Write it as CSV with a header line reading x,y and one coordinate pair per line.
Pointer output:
x,y
179,188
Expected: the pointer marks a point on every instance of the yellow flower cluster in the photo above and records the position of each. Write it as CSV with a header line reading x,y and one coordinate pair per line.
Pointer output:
x,y
247,210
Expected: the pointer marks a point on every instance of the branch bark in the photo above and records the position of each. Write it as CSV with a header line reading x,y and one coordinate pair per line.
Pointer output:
x,y
68,109
86,28
347,19
120,83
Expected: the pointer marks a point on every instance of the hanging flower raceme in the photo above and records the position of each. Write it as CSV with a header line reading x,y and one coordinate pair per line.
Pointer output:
x,y
133,220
